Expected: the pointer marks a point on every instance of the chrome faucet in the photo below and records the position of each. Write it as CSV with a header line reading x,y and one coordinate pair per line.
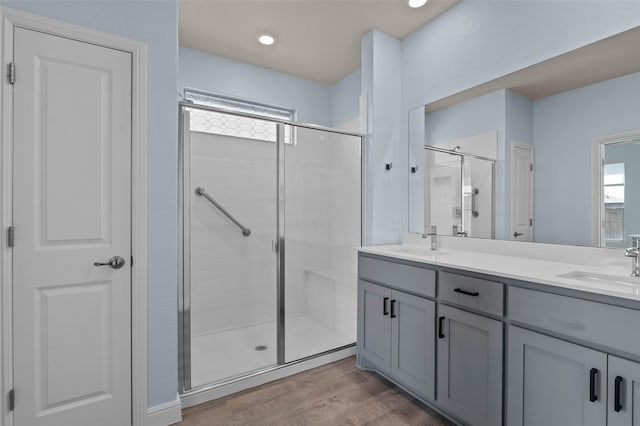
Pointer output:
x,y
457,231
433,234
634,252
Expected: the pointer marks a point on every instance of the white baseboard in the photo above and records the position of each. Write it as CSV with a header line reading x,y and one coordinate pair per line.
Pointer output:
x,y
165,414
205,395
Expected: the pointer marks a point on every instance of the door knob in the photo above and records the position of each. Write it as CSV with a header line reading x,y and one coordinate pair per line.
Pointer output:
x,y
517,234
116,262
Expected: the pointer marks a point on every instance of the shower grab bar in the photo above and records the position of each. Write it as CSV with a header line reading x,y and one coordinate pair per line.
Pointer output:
x,y
201,191
474,195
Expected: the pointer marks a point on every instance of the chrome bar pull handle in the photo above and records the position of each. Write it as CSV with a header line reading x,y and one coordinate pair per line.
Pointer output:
x,y
474,196
116,262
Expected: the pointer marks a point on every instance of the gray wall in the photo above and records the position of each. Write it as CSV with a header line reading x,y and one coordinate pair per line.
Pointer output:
x,y
215,74
564,128
154,23
478,41
345,101
386,210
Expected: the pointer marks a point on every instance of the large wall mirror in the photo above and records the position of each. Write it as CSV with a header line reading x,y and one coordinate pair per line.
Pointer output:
x,y
548,154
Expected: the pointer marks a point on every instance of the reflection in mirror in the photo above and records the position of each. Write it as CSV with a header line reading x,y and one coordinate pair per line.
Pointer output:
x,y
562,174
443,172
478,189
619,189
459,193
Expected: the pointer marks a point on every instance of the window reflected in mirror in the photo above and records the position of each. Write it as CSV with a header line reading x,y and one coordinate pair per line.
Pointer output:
x,y
619,195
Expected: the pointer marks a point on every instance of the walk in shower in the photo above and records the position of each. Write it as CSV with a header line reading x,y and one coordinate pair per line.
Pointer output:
x,y
459,193
271,215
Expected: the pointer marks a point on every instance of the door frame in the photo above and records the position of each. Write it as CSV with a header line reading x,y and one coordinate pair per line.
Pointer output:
x,y
531,149
597,176
10,19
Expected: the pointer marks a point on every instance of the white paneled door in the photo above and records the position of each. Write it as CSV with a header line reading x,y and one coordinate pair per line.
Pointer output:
x,y
71,209
521,192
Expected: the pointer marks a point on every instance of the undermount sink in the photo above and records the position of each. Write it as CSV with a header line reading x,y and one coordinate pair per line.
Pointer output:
x,y
600,278
418,250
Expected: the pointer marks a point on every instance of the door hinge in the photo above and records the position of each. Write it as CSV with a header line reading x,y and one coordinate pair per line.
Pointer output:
x,y
11,236
11,399
530,221
531,166
132,261
11,73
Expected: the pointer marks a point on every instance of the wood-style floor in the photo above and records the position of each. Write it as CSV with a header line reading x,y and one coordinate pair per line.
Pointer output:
x,y
334,394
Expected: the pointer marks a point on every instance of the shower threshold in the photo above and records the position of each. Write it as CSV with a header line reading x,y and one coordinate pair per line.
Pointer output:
x,y
229,386
229,354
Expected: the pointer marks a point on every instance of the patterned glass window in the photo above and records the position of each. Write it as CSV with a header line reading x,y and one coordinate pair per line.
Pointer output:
x,y
235,125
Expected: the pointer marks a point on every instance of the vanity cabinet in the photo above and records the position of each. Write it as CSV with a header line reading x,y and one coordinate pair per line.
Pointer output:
x,y
565,361
623,392
396,333
374,325
554,382
470,366
482,295
412,342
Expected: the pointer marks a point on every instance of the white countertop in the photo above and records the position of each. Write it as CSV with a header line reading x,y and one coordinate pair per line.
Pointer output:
x,y
610,280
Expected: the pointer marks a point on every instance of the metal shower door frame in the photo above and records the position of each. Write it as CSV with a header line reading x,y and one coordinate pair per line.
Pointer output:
x,y
184,284
464,156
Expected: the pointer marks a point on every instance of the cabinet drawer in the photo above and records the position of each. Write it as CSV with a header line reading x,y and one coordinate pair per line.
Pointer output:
x,y
595,322
405,277
483,295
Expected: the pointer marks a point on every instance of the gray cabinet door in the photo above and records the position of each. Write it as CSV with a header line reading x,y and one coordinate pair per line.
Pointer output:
x,y
624,392
470,366
553,382
413,342
374,324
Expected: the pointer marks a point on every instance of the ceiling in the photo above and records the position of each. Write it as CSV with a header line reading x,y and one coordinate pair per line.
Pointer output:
x,y
603,60
316,39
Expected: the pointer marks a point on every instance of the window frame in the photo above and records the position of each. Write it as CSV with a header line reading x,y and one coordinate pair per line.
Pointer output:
x,y
241,107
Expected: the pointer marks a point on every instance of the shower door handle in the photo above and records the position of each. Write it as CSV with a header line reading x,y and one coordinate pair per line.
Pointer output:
x,y
474,195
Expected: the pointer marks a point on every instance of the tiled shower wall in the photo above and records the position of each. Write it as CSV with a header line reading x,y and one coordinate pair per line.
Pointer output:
x,y
233,278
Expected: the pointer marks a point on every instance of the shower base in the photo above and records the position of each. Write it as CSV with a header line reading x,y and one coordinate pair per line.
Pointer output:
x,y
233,353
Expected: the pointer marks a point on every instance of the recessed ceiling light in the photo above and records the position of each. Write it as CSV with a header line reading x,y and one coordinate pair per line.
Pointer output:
x,y
417,3
266,39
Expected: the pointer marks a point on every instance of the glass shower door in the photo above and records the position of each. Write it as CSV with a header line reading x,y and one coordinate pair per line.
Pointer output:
x,y
271,218
230,226
322,228
478,202
443,208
